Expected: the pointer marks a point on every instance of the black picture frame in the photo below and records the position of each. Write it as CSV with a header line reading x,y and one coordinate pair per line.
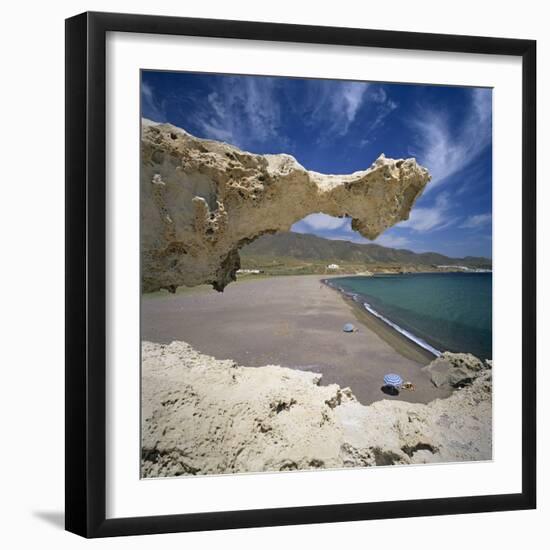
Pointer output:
x,y
86,281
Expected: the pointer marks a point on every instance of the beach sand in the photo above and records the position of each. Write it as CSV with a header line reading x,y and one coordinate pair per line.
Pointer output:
x,y
295,322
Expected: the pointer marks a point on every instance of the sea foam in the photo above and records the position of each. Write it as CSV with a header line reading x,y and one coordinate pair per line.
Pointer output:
x,y
409,335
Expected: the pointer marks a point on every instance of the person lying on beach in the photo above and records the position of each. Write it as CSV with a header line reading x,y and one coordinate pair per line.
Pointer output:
x,y
408,386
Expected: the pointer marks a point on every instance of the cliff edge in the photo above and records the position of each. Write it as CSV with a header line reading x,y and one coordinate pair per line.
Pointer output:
x,y
206,416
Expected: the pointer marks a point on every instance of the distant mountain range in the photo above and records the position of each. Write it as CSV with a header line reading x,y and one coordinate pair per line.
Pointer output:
x,y
310,248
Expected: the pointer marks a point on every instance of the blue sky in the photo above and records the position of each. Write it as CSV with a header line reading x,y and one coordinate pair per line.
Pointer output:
x,y
338,127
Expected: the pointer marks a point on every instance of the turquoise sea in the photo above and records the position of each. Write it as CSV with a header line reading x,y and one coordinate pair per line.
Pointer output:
x,y
439,311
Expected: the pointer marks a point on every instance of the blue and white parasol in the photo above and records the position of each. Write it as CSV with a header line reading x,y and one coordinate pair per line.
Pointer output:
x,y
393,380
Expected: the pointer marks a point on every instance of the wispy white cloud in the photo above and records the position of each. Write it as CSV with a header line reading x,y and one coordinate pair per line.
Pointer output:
x,y
214,131
350,100
392,241
384,106
444,148
337,105
365,141
386,239
472,180
438,216
320,222
240,111
334,105
339,229
477,221
152,108
255,110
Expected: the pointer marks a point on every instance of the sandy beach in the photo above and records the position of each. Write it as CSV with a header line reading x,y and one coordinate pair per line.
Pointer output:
x,y
294,322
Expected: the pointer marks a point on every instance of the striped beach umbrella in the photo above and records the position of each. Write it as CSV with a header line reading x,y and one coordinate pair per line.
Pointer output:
x,y
393,380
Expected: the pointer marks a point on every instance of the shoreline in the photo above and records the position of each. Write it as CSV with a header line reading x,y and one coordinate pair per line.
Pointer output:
x,y
295,322
265,276
394,335
385,328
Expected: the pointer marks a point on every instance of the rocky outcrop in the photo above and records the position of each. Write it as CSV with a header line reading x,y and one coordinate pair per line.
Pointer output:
x,y
455,370
202,200
205,416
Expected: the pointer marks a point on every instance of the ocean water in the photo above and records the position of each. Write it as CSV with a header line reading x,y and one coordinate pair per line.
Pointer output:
x,y
439,311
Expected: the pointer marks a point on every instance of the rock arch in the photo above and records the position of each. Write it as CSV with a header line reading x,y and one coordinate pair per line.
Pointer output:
x,y
202,200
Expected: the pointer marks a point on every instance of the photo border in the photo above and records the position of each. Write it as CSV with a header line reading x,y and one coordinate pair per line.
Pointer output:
x,y
85,374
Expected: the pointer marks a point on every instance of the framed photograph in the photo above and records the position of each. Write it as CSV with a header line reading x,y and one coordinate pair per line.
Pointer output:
x,y
300,274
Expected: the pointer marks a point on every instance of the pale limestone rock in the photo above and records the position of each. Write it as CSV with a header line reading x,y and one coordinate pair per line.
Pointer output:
x,y
455,370
202,200
206,416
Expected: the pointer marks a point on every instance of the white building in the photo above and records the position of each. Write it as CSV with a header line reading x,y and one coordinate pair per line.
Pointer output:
x,y
249,271
333,266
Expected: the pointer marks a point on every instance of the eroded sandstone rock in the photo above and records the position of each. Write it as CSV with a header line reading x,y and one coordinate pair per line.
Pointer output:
x,y
202,200
455,370
206,416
